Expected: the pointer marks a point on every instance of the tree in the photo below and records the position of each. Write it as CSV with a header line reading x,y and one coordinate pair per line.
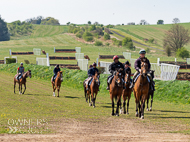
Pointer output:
x,y
4,33
160,22
68,23
143,22
183,53
176,37
96,23
106,36
168,51
89,22
176,20
126,40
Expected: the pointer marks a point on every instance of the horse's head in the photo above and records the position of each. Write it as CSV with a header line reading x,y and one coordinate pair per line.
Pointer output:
x,y
28,73
127,77
59,75
96,77
118,77
144,67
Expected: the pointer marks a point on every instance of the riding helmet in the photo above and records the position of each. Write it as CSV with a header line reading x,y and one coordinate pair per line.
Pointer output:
x,y
115,57
90,66
142,51
94,64
57,65
21,63
127,63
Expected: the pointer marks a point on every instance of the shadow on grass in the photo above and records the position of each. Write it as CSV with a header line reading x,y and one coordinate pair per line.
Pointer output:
x,y
107,106
172,111
71,97
176,117
34,94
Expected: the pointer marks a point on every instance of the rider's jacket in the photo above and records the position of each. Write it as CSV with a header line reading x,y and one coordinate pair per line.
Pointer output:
x,y
128,69
92,71
20,69
138,64
115,66
56,70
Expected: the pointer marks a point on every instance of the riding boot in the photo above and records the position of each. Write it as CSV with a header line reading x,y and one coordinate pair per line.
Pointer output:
x,y
108,88
87,87
132,84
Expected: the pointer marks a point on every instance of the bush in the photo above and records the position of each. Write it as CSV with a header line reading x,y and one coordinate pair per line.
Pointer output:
x,y
182,52
92,28
79,35
118,43
130,46
98,43
96,35
126,40
107,44
106,36
87,36
101,69
151,40
148,50
10,60
26,62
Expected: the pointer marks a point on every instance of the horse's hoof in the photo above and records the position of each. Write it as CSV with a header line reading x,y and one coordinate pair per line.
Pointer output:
x,y
90,104
57,96
147,109
117,115
142,117
136,115
127,113
121,111
93,106
150,109
113,114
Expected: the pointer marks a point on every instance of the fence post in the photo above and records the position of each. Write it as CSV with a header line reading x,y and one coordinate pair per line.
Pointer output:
x,y
175,60
47,56
9,51
54,49
158,61
97,61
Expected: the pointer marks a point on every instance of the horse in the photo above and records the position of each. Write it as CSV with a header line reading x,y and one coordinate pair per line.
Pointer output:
x,y
116,88
94,88
22,81
86,57
57,83
141,89
126,92
150,93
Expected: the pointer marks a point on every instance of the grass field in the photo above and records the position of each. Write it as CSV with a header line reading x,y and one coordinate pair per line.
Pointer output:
x,y
39,104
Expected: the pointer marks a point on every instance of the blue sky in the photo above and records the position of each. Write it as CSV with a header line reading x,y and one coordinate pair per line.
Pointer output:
x,y
102,11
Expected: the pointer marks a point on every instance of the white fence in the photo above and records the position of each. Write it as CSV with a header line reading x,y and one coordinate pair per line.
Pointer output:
x,y
169,72
132,61
188,60
127,55
106,65
83,64
41,61
157,68
78,49
79,56
37,51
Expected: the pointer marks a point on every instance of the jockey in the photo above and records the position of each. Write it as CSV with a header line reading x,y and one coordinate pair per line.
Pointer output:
x,y
112,68
90,66
127,68
91,73
55,71
138,69
20,71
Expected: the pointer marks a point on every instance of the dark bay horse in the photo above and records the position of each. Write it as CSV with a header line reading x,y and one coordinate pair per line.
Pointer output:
x,y
150,93
22,81
126,92
141,89
116,88
94,88
57,83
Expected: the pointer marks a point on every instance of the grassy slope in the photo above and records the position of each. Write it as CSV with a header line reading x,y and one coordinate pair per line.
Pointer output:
x,y
151,31
38,103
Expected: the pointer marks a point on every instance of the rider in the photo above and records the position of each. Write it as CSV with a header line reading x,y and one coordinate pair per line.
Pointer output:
x,y
127,68
90,66
20,71
138,69
55,70
112,68
91,73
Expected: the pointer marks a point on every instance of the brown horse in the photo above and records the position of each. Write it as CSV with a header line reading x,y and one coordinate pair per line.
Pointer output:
x,y
94,88
126,92
22,81
86,57
141,89
57,83
150,93
116,88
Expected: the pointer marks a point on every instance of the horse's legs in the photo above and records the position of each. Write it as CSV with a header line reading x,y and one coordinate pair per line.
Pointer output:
x,y
94,99
53,89
152,94
142,107
128,104
147,102
118,101
24,88
58,89
124,104
88,92
85,94
112,107
14,85
137,104
19,88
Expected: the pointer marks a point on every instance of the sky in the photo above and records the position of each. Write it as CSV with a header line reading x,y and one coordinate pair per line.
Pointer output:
x,y
103,11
